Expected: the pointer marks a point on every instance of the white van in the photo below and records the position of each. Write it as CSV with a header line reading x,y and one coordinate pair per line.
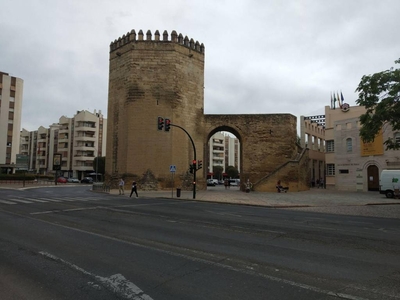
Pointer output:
x,y
389,180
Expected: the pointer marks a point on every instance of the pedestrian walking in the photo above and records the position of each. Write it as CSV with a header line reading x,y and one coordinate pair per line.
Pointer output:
x,y
121,187
134,189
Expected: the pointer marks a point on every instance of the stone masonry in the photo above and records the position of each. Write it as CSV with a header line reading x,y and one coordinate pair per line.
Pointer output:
x,y
164,76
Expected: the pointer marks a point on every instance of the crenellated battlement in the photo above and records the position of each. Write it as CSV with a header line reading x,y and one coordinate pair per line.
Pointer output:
x,y
174,38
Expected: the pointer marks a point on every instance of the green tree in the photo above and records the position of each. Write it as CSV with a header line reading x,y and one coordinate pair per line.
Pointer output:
x,y
232,172
217,170
380,94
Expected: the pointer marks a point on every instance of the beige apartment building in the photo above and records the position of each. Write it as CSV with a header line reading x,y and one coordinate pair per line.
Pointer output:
x,y
349,163
11,91
78,140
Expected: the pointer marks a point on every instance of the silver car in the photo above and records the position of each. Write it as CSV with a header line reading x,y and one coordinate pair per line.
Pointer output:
x,y
73,180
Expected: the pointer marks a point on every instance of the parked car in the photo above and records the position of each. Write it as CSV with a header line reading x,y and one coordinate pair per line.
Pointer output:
x,y
62,180
73,180
234,182
210,182
87,180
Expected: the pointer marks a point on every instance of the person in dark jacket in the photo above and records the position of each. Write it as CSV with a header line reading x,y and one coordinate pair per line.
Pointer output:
x,y
134,189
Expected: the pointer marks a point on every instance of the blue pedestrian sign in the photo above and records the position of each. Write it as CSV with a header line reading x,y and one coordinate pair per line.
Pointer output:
x,y
172,168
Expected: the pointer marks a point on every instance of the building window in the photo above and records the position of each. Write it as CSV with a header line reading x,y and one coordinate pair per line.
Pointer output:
x,y
343,171
330,146
397,137
330,169
349,145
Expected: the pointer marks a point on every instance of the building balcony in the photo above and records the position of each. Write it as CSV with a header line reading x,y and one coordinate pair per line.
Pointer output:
x,y
85,138
84,158
83,168
83,148
81,128
218,151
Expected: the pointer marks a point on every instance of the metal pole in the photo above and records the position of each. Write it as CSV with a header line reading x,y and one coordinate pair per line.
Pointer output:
x,y
194,152
172,191
97,162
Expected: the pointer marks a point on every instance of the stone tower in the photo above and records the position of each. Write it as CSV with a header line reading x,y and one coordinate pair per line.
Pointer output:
x,y
150,77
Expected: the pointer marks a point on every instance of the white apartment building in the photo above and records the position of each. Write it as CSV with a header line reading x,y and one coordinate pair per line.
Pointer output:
x,y
11,91
224,151
79,140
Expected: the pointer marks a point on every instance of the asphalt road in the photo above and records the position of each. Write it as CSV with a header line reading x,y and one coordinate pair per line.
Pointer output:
x,y
70,243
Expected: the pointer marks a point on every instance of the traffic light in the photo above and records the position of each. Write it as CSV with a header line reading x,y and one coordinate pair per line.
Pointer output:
x,y
167,124
194,165
191,169
200,165
160,123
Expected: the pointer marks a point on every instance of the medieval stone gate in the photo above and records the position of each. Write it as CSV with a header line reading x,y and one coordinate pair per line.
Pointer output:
x,y
164,76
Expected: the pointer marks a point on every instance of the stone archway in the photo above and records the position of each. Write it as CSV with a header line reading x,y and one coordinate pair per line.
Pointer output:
x,y
268,148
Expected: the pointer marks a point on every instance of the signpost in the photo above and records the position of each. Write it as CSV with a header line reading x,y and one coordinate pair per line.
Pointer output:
x,y
172,169
22,165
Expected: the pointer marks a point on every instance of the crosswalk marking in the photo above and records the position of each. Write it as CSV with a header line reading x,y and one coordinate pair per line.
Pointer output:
x,y
7,202
30,200
22,201
50,200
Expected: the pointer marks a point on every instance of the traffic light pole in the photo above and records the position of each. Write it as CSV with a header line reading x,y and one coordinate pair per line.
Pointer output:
x,y
194,151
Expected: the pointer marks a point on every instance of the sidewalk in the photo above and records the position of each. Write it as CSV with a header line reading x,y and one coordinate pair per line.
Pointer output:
x,y
312,198
368,204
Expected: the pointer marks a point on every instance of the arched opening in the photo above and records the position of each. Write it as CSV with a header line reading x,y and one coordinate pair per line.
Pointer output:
x,y
224,158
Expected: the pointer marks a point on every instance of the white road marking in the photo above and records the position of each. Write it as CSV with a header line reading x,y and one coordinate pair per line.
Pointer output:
x,y
220,265
30,199
116,283
44,212
51,200
21,201
7,202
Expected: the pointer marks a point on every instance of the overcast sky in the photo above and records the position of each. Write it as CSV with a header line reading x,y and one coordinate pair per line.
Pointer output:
x,y
262,56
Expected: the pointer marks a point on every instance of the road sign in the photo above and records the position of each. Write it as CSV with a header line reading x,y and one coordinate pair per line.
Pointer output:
x,y
22,162
172,168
